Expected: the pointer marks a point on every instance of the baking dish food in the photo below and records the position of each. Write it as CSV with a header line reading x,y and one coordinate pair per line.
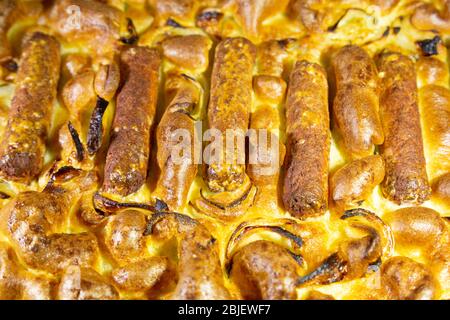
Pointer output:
x,y
354,95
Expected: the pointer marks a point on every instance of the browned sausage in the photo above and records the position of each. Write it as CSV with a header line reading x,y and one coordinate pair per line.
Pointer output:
x,y
23,145
305,191
230,101
356,104
405,279
354,182
177,175
406,177
264,270
128,153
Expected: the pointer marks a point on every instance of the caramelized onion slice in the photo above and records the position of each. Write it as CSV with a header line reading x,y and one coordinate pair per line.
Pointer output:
x,y
95,133
76,140
107,205
245,228
332,269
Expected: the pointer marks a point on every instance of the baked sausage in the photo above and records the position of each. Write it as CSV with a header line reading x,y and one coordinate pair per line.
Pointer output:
x,y
406,178
128,153
230,101
356,105
305,190
23,145
177,175
354,182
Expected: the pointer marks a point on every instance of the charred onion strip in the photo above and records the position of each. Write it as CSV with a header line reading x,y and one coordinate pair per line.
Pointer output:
x,y
10,65
76,141
133,36
332,269
372,217
230,210
429,47
4,195
107,205
172,23
62,174
95,133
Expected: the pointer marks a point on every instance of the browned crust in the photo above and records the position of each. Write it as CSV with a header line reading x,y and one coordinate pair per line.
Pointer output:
x,y
406,178
128,153
230,101
23,146
176,178
305,189
265,270
356,105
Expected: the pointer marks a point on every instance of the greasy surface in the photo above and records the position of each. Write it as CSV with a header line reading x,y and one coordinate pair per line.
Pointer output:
x,y
355,105
59,245
406,177
308,141
128,153
23,142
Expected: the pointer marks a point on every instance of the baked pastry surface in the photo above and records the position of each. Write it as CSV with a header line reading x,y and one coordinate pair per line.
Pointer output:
x,y
354,95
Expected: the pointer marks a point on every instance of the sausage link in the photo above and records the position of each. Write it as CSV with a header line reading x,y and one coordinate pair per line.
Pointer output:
x,y
356,104
231,98
305,189
406,178
177,175
23,146
128,153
